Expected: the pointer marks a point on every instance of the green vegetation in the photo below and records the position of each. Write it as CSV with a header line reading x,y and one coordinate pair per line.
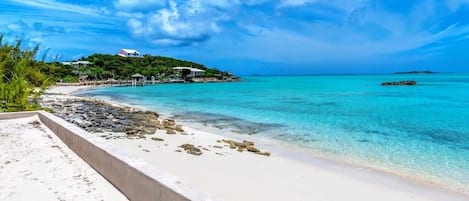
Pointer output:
x,y
23,78
105,66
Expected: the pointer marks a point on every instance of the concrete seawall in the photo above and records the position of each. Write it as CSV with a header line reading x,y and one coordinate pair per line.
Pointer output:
x,y
135,178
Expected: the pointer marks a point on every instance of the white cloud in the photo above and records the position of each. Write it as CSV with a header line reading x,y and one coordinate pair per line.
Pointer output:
x,y
33,34
180,24
366,32
255,2
131,5
456,4
340,4
54,5
129,14
287,3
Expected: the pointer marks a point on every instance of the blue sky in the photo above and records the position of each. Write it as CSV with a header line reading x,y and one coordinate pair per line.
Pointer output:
x,y
253,36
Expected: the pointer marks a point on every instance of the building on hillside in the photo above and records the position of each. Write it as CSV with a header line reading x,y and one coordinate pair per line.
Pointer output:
x,y
77,64
129,53
193,72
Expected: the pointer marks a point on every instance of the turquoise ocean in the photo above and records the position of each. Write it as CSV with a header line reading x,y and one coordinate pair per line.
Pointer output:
x,y
420,131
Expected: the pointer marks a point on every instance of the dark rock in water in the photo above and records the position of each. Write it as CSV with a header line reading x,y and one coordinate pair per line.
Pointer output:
x,y
400,83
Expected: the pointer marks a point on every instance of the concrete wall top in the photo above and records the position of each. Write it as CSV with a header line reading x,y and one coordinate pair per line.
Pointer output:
x,y
134,177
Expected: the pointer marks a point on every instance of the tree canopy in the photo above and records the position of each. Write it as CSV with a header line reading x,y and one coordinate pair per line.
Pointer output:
x,y
23,78
105,66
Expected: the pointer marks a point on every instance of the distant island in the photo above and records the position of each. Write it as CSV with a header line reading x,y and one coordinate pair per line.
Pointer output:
x,y
416,72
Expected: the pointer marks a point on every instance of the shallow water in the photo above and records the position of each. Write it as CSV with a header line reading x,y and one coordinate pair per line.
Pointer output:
x,y
417,130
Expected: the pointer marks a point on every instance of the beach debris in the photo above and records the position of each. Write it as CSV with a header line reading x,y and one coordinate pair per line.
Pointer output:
x,y
191,149
178,128
145,150
218,147
243,146
252,149
157,139
264,153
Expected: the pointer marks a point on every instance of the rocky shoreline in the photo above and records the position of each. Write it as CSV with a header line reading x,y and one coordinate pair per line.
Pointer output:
x,y
99,117
117,122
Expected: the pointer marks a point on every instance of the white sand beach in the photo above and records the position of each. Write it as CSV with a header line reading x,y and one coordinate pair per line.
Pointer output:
x,y
36,165
67,90
232,175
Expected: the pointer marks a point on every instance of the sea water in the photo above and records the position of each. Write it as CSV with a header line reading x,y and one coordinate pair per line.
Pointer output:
x,y
418,130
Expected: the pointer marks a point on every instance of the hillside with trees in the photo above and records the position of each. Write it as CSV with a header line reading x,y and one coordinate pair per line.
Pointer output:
x,y
105,66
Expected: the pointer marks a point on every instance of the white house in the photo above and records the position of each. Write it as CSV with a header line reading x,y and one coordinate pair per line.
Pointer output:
x,y
195,72
128,53
77,64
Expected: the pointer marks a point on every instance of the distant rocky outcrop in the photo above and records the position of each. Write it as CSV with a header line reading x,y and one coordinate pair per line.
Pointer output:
x,y
400,83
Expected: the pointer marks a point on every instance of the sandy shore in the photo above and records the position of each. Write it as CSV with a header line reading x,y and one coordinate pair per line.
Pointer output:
x,y
67,90
232,175
36,165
